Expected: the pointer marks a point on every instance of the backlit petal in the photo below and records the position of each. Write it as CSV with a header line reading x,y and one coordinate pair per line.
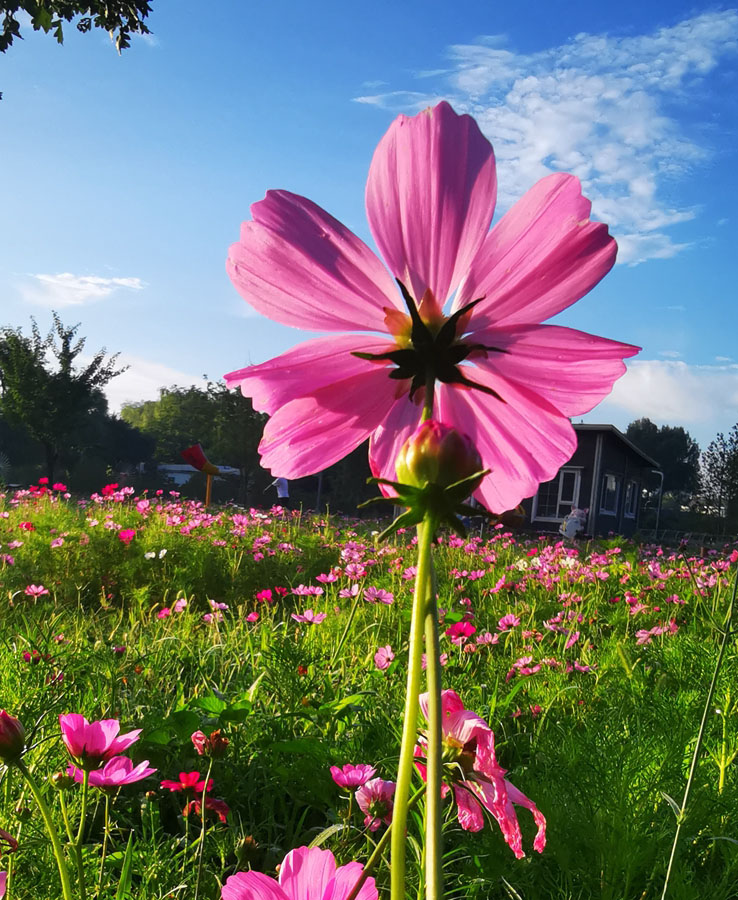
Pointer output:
x,y
390,435
251,886
306,873
542,256
470,813
516,796
298,265
430,197
346,878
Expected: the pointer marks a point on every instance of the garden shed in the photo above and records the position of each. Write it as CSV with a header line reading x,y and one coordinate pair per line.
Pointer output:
x,y
606,476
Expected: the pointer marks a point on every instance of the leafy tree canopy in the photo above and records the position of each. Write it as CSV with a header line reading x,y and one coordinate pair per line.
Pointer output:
x,y
120,18
720,476
673,448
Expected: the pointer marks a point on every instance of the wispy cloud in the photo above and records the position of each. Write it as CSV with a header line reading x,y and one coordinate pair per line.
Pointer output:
x,y
596,106
65,289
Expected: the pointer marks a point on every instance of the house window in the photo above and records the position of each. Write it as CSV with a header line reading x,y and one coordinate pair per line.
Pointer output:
x,y
631,499
556,498
610,495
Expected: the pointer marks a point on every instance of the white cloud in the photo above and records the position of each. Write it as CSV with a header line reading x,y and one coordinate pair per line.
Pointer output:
x,y
143,380
670,354
65,289
596,106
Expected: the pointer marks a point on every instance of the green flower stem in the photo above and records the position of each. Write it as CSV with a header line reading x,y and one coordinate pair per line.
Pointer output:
x,y
433,836
203,829
410,723
80,837
349,622
51,829
727,634
104,853
379,849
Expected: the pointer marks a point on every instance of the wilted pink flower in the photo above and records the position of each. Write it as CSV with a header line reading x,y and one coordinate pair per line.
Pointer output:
x,y
115,773
126,535
309,617
35,590
91,744
477,779
430,200
349,776
375,800
215,745
307,873
383,657
571,640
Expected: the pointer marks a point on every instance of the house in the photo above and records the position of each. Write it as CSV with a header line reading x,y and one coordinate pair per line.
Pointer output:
x,y
606,476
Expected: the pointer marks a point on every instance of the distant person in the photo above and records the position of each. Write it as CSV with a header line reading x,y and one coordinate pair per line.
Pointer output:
x,y
283,491
574,523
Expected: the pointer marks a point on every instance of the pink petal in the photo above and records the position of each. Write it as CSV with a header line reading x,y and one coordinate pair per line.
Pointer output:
x,y
100,736
516,796
542,256
470,813
346,878
390,435
73,727
311,433
306,368
504,812
430,197
123,742
571,369
306,873
524,441
3,883
251,886
299,266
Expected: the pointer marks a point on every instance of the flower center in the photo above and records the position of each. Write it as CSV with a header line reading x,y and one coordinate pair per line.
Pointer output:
x,y
429,350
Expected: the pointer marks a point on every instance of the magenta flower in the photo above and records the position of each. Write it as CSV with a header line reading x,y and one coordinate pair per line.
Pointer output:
x,y
126,535
219,807
307,873
349,776
374,595
508,621
188,781
309,617
116,772
4,882
91,744
430,199
383,657
35,590
477,779
375,800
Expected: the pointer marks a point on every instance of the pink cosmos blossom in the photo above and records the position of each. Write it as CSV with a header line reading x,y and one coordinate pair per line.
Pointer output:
x,y
383,657
508,621
180,605
57,542
459,632
349,776
265,596
430,199
252,617
443,659
374,595
470,745
35,590
219,807
164,613
571,640
188,781
375,800
126,535
309,617
91,744
307,873
115,773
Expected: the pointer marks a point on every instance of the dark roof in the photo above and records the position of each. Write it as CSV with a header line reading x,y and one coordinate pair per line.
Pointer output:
x,y
619,434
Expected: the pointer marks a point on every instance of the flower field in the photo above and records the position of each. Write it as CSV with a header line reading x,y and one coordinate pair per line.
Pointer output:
x,y
257,649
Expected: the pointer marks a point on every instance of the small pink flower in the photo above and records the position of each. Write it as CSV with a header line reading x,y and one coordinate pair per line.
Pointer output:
x,y
443,659
375,800
57,542
35,590
252,617
188,781
164,613
309,617
307,873
180,605
459,632
126,535
571,640
349,776
383,657
91,744
265,596
115,773
378,595
507,622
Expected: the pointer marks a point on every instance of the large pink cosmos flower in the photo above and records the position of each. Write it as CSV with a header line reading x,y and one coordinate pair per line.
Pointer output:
x,y
307,873
507,381
91,744
477,779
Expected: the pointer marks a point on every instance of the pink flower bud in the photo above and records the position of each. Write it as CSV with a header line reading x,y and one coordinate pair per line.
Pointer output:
x,y
437,454
12,737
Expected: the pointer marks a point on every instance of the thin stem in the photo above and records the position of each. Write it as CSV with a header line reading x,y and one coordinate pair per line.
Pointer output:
x,y
80,836
379,849
428,401
349,622
51,829
203,828
433,835
410,722
106,832
727,634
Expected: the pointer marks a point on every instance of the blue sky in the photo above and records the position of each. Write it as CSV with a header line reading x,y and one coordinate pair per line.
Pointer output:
x,y
126,178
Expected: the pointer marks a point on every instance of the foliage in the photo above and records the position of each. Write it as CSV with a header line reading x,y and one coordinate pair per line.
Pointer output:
x,y
719,465
673,448
54,401
120,18
596,747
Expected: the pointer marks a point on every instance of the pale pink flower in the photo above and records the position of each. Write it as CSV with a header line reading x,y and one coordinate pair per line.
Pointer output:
x,y
180,605
349,776
307,873
375,800
115,773
93,743
374,595
470,745
571,640
430,200
309,617
383,657
443,659
57,542
35,590
508,621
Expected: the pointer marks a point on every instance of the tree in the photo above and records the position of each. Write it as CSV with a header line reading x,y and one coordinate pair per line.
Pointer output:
x,y
673,448
719,470
120,18
53,399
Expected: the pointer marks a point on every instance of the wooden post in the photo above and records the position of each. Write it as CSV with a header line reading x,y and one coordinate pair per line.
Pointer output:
x,y
208,488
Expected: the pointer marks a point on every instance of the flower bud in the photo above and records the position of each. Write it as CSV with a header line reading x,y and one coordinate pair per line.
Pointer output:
x,y
437,454
60,781
12,737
